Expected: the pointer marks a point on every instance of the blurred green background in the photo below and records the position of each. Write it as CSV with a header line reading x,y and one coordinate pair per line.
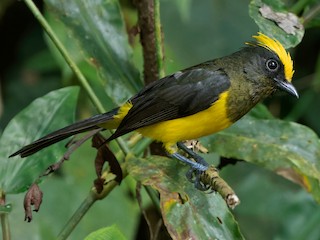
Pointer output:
x,y
272,207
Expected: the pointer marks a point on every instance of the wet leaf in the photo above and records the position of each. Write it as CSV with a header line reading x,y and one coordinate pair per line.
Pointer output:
x,y
275,21
107,233
187,212
42,116
32,198
97,30
273,144
104,154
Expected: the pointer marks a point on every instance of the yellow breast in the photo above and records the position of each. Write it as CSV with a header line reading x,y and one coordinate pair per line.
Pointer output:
x,y
194,126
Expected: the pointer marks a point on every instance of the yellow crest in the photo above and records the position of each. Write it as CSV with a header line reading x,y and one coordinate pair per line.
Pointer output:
x,y
276,47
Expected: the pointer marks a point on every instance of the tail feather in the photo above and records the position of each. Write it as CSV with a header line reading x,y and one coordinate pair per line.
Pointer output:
x,y
63,133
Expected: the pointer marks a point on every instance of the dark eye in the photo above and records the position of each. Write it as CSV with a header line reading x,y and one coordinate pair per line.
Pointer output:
x,y
272,65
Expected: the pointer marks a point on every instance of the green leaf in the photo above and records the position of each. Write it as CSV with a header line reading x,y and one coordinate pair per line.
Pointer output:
x,y
288,148
107,233
269,200
261,111
183,8
314,23
277,22
44,115
311,14
97,30
188,213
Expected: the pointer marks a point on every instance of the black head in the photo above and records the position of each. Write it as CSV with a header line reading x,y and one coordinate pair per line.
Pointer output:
x,y
266,70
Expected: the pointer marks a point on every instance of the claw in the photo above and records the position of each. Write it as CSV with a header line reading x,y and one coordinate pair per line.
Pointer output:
x,y
194,176
190,175
198,184
198,167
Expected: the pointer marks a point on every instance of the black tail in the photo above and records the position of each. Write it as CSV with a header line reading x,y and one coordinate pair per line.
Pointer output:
x,y
63,133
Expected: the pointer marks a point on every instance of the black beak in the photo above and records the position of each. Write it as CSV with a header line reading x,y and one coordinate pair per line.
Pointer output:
x,y
287,87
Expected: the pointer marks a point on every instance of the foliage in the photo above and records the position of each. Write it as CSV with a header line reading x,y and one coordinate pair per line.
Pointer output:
x,y
97,38
107,233
17,175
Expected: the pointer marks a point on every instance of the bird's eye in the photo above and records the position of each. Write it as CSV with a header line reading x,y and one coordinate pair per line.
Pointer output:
x,y
272,65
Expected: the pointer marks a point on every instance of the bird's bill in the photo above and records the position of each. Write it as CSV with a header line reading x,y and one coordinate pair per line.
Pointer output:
x,y
287,87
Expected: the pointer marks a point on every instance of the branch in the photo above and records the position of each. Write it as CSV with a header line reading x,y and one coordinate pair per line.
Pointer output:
x,y
212,179
4,218
92,197
150,37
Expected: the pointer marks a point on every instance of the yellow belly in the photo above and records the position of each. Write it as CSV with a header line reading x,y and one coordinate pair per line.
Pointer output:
x,y
194,126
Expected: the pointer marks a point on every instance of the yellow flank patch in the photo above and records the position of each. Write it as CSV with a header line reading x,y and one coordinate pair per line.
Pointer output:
x,y
114,123
123,110
276,47
203,123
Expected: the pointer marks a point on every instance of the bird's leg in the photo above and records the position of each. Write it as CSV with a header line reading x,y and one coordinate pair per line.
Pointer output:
x,y
192,154
197,167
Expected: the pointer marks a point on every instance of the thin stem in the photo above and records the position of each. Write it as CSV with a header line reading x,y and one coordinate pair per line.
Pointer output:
x,y
311,14
155,199
71,64
33,8
4,219
5,226
92,197
158,38
123,146
77,216
299,6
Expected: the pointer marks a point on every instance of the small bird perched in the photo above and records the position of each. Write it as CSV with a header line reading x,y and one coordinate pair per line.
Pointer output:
x,y
194,102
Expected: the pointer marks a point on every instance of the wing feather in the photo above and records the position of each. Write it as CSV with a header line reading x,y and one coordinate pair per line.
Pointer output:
x,y
178,95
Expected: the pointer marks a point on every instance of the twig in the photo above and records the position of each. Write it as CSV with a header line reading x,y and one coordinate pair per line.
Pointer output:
x,y
311,14
5,226
145,215
299,6
146,20
158,38
33,8
92,197
73,146
212,179
4,219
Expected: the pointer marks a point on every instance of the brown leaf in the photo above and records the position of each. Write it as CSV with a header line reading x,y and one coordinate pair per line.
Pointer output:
x,y
32,197
295,177
288,22
98,184
105,154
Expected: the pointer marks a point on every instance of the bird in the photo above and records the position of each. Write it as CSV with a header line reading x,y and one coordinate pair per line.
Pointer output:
x,y
194,102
